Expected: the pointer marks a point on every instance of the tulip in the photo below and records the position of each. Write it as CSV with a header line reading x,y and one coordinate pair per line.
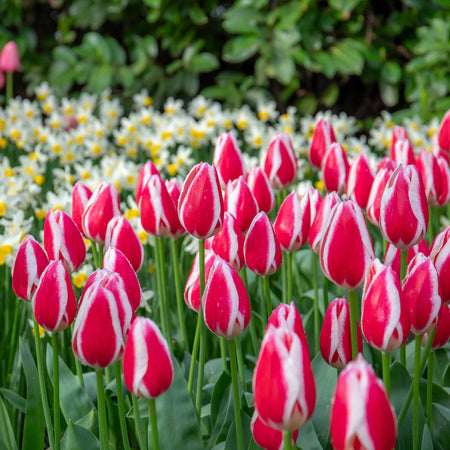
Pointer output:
x,y
314,201
9,58
63,240
429,169
200,206
30,262
174,188
361,415
240,202
80,196
147,170
444,198
360,180
404,208
376,194
283,383
442,334
392,256
440,255
403,152
384,319
228,243
322,138
335,337
228,159
444,132
261,189
280,164
54,303
387,163
100,209
335,168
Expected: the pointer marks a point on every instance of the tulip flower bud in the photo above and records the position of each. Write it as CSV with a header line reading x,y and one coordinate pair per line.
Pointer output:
x,y
376,194
314,201
444,132
54,303
444,197
293,222
384,319
63,240
322,138
267,437
335,168
335,336
240,202
80,196
100,209
346,239
283,384
174,188
392,256
387,163
360,180
147,170
361,415
261,189
442,329
9,57
225,303
30,262
262,251
200,207
440,255
228,243
404,208
147,366
421,294
280,164
431,175
228,159
403,152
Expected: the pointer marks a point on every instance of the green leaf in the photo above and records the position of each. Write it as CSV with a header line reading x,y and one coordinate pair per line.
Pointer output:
x,y
231,442
330,95
284,69
427,441
391,72
77,437
344,5
307,437
126,76
241,48
100,46
64,53
307,105
100,79
388,93
197,15
204,62
440,417
34,425
15,399
7,440
347,57
242,20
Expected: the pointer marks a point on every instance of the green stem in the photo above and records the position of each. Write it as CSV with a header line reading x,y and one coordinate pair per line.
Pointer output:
x,y
416,382
14,335
95,254
162,265
284,296
353,300
403,265
325,292
268,297
287,440
430,225
289,276
316,303
162,314
194,355
138,424
253,337
179,295
56,411
262,303
120,404
44,399
103,426
386,358
154,422
237,405
430,388
223,353
240,360
9,87
79,371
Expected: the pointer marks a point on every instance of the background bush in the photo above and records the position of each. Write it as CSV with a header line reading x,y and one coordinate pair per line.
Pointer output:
x,y
359,56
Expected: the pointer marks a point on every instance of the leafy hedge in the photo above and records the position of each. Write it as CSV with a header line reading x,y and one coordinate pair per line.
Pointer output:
x,y
358,55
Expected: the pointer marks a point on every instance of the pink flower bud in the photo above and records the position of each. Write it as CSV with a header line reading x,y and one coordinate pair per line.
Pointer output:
x,y
121,235
280,164
387,163
320,224
261,189
444,132
314,201
392,256
293,222
267,437
440,255
147,366
335,336
200,207
30,262
240,203
262,251
100,209
376,194
283,383
335,168
384,319
63,240
403,152
431,175
54,302
360,180
346,249
442,329
404,208
80,197
322,138
147,170
228,243
228,159
444,197
226,307
9,57
421,294
361,415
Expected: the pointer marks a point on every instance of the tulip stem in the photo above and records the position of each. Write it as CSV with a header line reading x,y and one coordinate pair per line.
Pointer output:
x,y
284,295
9,86
316,303
176,272
223,353
103,426
240,360
122,417
289,276
430,388
403,264
416,382
138,424
14,334
162,313
237,405
194,355
251,325
325,292
262,303
287,440
386,358
268,297
353,300
154,422
56,411
44,399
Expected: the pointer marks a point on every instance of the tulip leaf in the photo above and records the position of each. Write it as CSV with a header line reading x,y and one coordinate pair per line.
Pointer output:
x,y
307,437
34,425
7,440
231,442
16,400
440,417
78,437
439,394
446,376
427,441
